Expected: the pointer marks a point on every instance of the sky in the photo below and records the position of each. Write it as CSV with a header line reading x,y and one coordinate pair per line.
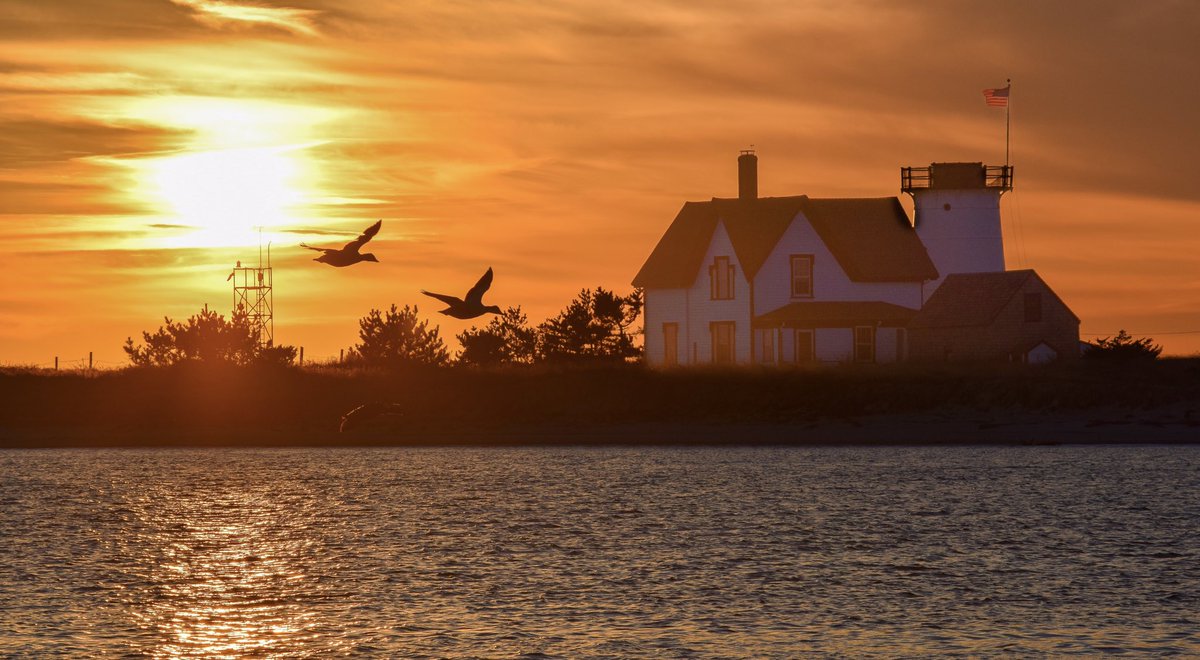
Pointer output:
x,y
146,145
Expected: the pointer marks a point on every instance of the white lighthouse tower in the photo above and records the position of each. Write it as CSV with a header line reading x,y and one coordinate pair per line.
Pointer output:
x,y
957,215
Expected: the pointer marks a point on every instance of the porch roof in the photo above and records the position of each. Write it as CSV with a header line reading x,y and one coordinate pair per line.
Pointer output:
x,y
836,314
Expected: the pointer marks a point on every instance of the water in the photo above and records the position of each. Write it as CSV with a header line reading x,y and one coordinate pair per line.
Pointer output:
x,y
608,552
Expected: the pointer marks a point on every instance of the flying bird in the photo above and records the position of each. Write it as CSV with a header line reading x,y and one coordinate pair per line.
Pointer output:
x,y
473,305
367,412
348,255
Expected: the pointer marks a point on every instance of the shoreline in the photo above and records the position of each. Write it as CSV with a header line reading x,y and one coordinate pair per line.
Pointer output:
x,y
945,404
1154,427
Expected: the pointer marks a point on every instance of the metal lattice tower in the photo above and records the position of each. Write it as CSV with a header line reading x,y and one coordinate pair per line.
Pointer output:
x,y
253,294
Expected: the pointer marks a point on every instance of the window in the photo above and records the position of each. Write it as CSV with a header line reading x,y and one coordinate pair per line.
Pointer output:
x,y
720,276
722,341
864,343
670,344
765,338
901,344
1033,307
806,346
802,275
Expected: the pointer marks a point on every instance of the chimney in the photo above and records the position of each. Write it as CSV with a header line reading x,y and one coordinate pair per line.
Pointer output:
x,y
747,175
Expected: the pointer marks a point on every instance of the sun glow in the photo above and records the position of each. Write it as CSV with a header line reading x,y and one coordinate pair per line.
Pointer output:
x,y
225,195
245,171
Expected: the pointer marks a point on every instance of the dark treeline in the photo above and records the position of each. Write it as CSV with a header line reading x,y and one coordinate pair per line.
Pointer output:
x,y
199,403
595,328
575,377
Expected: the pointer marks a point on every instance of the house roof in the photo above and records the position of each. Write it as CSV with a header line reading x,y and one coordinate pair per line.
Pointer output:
x,y
974,299
835,314
871,238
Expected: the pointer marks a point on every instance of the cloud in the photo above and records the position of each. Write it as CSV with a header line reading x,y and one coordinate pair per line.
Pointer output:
x,y
140,20
309,231
52,198
235,14
37,20
59,167
28,143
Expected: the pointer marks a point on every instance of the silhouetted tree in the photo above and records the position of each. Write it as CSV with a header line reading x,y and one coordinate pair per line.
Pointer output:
x,y
206,337
396,338
506,339
1123,348
595,326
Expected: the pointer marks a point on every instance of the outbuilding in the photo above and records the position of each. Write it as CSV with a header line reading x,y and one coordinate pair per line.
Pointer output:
x,y
1012,315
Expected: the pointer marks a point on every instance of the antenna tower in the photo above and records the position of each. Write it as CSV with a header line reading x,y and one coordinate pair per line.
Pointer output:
x,y
253,288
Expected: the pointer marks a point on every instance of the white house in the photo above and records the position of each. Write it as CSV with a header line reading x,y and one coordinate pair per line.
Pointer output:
x,y
804,280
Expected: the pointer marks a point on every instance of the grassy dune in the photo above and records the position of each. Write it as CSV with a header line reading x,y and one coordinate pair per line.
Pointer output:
x,y
197,404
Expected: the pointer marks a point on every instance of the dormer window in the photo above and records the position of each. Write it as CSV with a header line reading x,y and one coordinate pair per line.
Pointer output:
x,y
720,275
802,275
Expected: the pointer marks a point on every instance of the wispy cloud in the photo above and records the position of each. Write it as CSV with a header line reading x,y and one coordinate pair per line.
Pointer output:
x,y
234,14
36,142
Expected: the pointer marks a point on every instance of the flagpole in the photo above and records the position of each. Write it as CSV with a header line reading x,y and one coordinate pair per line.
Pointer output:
x,y
1007,122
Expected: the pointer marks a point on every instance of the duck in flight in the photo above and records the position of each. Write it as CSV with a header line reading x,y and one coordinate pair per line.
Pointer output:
x,y
348,255
367,412
473,305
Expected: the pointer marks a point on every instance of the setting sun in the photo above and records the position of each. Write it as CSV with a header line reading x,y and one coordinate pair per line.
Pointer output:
x,y
226,195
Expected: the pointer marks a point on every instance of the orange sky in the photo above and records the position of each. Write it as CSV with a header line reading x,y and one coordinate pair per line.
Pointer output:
x,y
142,140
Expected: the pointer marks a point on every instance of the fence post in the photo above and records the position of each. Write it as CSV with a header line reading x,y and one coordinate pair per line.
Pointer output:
x,y
56,363
89,360
302,356
341,355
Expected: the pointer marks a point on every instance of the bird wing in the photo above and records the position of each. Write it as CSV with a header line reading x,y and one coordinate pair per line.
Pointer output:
x,y
475,295
325,250
449,300
368,411
362,239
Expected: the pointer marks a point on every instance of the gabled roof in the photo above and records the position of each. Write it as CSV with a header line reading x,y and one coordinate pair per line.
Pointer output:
x,y
835,314
871,239
754,228
974,299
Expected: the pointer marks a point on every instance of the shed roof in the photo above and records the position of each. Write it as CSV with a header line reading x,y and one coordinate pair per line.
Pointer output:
x,y
871,238
975,299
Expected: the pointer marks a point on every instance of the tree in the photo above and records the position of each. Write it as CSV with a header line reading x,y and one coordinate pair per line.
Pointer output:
x,y
595,326
206,337
396,339
1123,348
507,339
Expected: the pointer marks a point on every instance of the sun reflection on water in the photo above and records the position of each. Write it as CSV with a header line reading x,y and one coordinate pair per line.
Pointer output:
x,y
599,552
230,575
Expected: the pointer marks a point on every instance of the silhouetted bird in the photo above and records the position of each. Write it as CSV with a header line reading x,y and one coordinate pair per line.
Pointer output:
x,y
367,412
473,305
349,255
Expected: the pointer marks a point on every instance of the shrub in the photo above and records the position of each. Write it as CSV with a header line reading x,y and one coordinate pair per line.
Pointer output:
x,y
1123,348
206,337
396,338
593,327
507,339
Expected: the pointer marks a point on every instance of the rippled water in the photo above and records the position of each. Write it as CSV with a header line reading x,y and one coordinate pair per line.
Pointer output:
x,y
617,552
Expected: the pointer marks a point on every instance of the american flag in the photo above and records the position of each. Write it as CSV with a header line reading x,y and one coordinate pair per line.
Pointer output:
x,y
998,97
